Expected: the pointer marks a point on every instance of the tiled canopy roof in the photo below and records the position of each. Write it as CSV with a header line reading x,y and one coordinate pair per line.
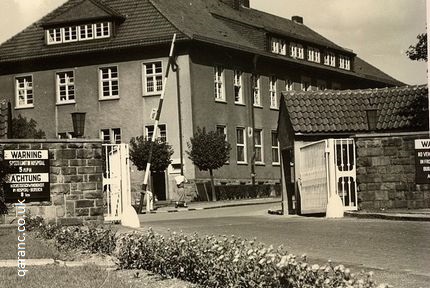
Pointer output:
x,y
149,22
345,110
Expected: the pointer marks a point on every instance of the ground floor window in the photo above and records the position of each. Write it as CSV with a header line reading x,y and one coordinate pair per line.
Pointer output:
x,y
112,135
240,145
161,133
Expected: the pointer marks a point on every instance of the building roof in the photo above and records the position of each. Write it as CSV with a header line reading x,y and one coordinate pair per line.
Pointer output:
x,y
338,111
149,22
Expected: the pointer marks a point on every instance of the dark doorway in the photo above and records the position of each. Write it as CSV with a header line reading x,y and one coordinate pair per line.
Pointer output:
x,y
159,185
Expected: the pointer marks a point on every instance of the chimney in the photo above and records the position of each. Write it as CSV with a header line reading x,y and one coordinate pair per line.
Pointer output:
x,y
235,4
297,19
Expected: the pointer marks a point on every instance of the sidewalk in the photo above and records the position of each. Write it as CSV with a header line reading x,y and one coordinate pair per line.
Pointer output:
x,y
393,214
194,206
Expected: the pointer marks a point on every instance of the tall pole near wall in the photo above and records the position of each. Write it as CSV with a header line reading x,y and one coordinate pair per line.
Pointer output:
x,y
157,119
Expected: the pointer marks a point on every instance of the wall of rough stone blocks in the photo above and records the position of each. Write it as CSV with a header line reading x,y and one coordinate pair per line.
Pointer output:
x,y
386,173
76,171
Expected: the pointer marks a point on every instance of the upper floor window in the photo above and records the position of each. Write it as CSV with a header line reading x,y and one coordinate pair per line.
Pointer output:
x,y
344,62
152,78
314,55
288,85
111,135
321,85
278,46
257,92
238,91
273,92
78,33
161,132
109,82
297,51
24,91
65,87
330,59
306,84
218,83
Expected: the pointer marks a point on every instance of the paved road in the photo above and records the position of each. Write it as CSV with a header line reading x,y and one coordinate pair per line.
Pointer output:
x,y
398,252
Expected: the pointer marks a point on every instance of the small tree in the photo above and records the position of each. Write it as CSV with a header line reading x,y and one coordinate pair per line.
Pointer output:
x,y
418,52
161,153
208,151
25,129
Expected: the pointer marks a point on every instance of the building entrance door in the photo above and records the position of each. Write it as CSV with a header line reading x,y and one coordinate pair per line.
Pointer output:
x,y
159,185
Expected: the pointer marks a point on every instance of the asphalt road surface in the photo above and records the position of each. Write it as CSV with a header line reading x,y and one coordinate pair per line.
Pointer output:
x,y
397,251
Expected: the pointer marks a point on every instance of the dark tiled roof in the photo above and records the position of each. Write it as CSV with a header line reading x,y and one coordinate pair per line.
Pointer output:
x,y
345,110
149,22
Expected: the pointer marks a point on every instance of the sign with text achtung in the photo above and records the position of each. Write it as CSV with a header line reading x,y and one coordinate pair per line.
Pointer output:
x,y
422,161
28,175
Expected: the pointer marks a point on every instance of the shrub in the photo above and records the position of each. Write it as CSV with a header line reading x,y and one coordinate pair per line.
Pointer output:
x,y
228,262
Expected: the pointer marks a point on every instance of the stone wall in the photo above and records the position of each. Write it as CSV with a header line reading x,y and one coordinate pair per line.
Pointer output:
x,y
76,171
386,172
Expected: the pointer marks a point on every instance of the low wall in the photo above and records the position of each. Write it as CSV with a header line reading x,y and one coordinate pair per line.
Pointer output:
x,y
76,171
386,172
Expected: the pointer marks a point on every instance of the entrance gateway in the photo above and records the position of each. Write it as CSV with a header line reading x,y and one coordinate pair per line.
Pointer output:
x,y
116,185
327,167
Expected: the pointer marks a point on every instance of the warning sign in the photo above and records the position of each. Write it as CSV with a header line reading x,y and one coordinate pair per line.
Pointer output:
x,y
28,175
422,161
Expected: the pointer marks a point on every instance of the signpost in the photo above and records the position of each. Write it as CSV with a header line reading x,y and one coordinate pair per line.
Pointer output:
x,y
422,161
28,175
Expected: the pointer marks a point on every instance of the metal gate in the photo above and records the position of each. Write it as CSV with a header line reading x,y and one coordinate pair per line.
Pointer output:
x,y
327,167
116,185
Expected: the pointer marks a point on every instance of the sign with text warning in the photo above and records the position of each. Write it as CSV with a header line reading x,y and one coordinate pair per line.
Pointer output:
x,y
27,175
422,161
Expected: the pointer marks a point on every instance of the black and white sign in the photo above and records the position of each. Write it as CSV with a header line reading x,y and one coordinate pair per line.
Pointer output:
x,y
28,175
422,161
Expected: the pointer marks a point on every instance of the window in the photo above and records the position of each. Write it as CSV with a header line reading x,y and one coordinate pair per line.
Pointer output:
x,y
278,46
152,78
257,92
222,129
218,82
258,140
288,85
24,91
296,51
109,82
330,59
344,62
86,32
111,135
275,148
314,55
54,36
65,135
241,145
70,34
306,84
321,85
102,30
161,133
238,91
273,94
65,87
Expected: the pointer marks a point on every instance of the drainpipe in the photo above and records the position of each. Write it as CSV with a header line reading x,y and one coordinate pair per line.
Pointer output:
x,y
175,68
251,105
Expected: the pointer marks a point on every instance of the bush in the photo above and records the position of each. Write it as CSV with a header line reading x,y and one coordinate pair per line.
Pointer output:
x,y
228,262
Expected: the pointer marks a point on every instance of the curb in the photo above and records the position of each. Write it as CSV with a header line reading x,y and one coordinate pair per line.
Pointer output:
x,y
385,216
212,207
43,262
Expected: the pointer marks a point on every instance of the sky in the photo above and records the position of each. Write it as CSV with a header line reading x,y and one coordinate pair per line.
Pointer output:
x,y
379,31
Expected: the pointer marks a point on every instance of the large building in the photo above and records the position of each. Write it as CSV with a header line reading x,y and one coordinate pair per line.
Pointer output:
x,y
107,58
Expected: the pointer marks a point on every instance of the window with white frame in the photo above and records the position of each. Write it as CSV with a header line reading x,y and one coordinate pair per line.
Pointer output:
x,y
112,135
222,129
297,51
257,92
161,132
70,34
275,148
109,82
278,46
54,36
314,55
78,33
152,78
241,145
219,83
306,84
344,62
102,30
330,59
24,97
86,32
238,91
273,92
289,85
65,87
258,146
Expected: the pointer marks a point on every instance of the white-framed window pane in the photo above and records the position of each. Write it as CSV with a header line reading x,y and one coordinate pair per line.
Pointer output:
x,y
221,129
218,83
237,83
65,87
273,92
240,145
153,77
102,30
258,140
116,133
288,85
275,148
161,133
109,82
24,91
257,92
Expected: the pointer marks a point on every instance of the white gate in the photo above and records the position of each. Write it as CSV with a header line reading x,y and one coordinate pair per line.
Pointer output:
x,y
327,167
116,185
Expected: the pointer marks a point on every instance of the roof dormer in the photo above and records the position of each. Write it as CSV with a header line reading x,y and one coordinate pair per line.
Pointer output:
x,y
88,20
